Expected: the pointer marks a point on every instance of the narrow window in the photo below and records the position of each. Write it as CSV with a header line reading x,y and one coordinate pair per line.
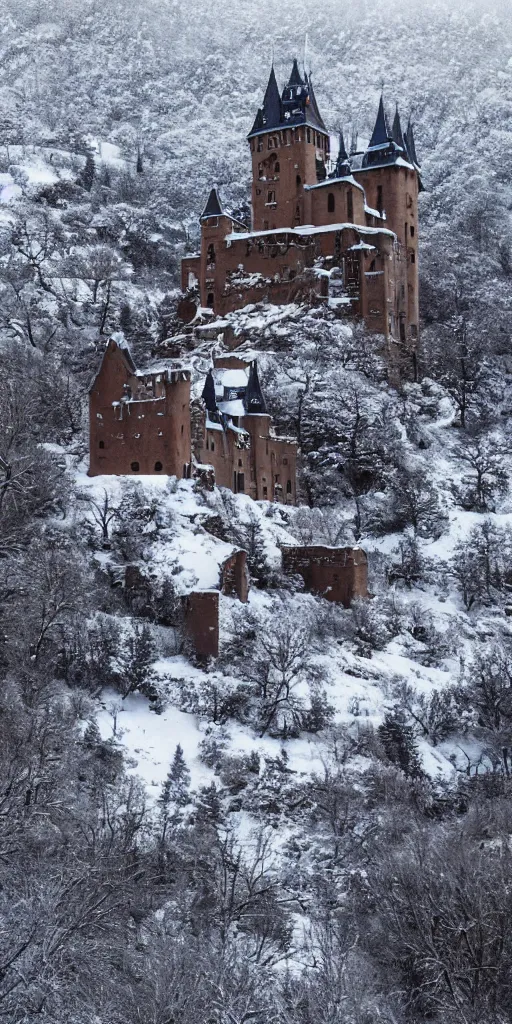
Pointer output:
x,y
277,167
240,483
270,143
413,257
308,134
260,145
379,198
101,444
134,467
350,205
212,446
158,467
298,180
240,463
210,256
289,487
330,202
209,300
271,197
285,462
265,492
412,230
405,232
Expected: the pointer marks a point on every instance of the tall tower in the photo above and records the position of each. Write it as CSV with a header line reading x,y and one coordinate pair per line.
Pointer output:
x,y
289,149
389,174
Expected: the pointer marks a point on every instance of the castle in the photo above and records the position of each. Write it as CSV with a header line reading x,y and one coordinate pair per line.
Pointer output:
x,y
345,231
140,423
238,439
139,420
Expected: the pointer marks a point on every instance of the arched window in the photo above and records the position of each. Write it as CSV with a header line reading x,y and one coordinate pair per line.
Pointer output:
x,y
209,300
210,255
330,202
134,467
158,467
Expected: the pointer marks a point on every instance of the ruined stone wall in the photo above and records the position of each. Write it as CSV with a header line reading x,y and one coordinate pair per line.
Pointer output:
x,y
339,574
235,576
201,622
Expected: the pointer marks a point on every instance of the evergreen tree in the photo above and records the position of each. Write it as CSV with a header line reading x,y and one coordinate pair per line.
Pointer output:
x,y
399,744
175,789
140,650
88,173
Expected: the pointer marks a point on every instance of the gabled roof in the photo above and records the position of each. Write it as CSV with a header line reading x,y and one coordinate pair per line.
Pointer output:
x,y
380,135
213,206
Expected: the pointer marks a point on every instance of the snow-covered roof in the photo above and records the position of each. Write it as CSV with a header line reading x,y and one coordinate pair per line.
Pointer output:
x,y
310,229
334,181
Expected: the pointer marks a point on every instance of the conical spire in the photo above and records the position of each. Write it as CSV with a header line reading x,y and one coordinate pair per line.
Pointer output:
x,y
380,136
271,102
396,130
342,161
409,142
208,395
313,115
253,399
213,207
295,77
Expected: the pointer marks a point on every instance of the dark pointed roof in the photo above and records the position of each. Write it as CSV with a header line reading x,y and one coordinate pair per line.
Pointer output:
x,y
295,106
396,130
409,142
380,134
213,207
253,398
342,161
208,394
313,115
271,110
295,77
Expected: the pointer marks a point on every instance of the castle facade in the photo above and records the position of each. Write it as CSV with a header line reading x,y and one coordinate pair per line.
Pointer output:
x,y
344,231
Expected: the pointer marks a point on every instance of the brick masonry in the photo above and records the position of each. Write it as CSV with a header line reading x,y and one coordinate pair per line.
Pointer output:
x,y
338,574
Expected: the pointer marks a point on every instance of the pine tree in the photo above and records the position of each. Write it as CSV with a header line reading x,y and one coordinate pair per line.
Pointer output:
x,y
175,789
399,744
141,654
89,172
92,735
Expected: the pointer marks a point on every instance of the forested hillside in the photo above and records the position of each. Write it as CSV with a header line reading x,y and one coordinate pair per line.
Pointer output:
x,y
313,828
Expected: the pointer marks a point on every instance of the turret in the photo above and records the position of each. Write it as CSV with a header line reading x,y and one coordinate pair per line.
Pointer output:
x,y
290,148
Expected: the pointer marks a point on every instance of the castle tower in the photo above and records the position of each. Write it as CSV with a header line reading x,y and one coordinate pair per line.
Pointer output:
x,y
289,149
389,174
